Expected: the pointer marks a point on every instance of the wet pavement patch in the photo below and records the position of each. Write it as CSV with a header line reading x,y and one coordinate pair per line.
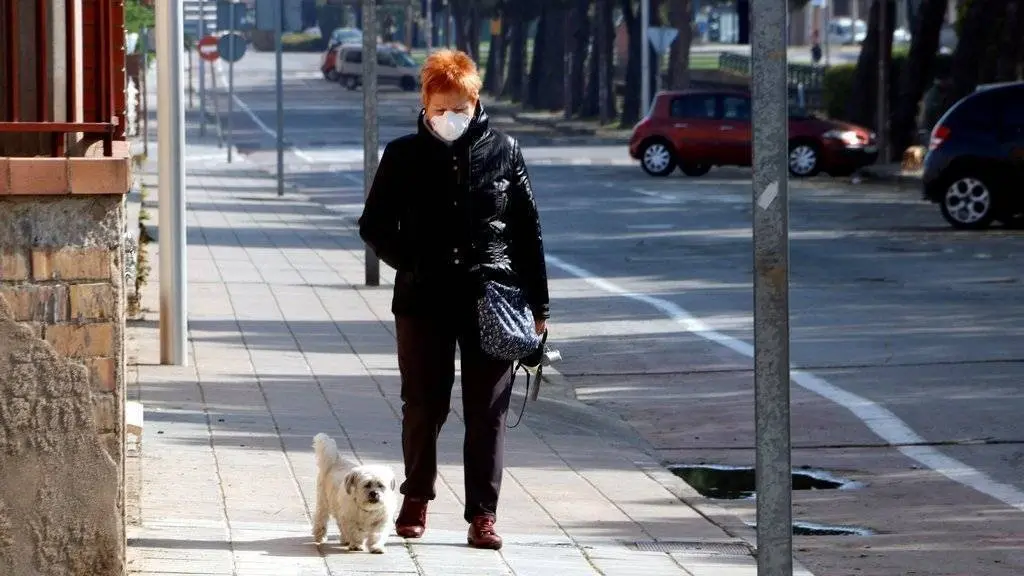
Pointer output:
x,y
739,482
811,529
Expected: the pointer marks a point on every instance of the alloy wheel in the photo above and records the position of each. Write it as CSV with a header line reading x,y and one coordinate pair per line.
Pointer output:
x,y
968,201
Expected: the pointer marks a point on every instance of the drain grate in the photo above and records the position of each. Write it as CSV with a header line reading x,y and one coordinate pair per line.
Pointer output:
x,y
691,547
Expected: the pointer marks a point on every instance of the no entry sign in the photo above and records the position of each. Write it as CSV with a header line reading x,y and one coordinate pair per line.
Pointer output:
x,y
208,48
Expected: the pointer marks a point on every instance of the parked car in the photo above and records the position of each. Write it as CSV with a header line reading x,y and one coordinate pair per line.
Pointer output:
x,y
974,169
393,67
340,37
698,129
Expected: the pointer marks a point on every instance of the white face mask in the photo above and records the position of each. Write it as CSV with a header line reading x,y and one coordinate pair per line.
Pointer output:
x,y
450,125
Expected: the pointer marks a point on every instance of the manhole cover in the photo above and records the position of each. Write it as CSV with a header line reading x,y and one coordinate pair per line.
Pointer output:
x,y
691,547
739,482
811,529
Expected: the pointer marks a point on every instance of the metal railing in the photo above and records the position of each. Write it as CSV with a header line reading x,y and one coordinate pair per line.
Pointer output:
x,y
30,109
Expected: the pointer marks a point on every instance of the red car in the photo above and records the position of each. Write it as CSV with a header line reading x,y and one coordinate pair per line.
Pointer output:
x,y
698,129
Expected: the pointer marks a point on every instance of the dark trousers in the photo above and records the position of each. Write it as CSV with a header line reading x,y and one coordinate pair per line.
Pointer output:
x,y
426,360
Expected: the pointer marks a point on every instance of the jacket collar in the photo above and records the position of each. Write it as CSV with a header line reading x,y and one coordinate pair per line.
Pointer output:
x,y
478,127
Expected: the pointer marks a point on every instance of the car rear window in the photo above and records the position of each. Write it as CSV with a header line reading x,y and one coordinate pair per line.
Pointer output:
x,y
354,57
693,106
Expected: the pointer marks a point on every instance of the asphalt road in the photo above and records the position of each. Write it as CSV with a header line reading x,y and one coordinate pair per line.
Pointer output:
x,y
909,334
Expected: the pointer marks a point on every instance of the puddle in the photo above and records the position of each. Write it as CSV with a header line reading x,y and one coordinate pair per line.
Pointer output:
x,y
739,482
811,529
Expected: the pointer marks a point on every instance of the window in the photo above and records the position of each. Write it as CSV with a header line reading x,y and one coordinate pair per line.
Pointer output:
x,y
354,57
736,108
404,59
385,59
694,106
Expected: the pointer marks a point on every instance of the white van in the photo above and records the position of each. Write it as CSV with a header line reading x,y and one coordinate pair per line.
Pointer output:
x,y
394,67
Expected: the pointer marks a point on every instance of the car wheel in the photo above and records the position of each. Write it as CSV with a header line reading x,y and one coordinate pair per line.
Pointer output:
x,y
407,83
967,204
657,158
351,82
331,75
804,159
694,170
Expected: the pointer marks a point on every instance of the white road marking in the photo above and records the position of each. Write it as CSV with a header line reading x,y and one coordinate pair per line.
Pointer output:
x,y
877,418
266,129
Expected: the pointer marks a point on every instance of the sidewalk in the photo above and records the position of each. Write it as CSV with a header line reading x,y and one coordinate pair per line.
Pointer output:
x,y
285,342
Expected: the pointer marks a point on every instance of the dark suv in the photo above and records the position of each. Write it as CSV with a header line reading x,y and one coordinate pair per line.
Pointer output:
x,y
974,169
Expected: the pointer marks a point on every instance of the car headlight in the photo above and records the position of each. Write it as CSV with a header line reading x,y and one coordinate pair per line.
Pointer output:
x,y
848,137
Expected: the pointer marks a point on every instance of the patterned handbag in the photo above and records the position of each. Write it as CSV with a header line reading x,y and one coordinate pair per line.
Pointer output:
x,y
507,329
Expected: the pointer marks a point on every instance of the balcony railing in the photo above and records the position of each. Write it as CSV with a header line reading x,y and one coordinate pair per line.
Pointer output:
x,y
62,82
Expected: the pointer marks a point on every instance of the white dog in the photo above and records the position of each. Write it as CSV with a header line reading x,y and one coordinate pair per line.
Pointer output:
x,y
361,498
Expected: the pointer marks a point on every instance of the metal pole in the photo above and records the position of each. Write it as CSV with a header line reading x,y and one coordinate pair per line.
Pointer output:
x,y
201,32
231,75
645,56
602,62
883,83
191,82
146,35
827,29
171,120
771,288
567,78
279,50
370,120
430,24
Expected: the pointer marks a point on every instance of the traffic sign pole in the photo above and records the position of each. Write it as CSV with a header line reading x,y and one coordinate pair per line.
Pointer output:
x,y
231,74
200,32
645,57
278,52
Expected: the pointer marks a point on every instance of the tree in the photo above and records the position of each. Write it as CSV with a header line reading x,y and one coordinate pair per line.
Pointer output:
x,y
581,42
680,15
601,57
974,35
631,99
862,105
918,71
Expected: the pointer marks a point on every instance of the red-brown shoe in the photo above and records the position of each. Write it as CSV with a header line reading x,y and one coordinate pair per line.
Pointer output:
x,y
482,534
412,519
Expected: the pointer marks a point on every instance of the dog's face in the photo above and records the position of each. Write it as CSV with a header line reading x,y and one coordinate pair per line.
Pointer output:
x,y
371,487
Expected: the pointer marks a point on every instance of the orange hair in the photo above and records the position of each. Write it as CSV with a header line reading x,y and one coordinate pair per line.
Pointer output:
x,y
450,71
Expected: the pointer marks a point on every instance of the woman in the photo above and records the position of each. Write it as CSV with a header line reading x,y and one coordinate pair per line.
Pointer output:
x,y
451,206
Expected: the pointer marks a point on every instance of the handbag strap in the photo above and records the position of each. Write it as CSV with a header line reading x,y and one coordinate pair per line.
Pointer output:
x,y
515,369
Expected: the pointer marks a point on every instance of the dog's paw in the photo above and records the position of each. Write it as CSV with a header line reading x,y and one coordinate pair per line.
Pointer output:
x,y
355,547
319,533
376,549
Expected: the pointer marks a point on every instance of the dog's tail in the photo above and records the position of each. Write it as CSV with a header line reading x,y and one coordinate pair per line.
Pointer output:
x,y
326,451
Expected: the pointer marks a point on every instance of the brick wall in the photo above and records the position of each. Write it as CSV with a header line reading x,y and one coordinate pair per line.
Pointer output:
x,y
62,387
72,297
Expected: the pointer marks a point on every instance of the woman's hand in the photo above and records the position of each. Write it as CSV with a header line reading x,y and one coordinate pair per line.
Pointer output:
x,y
540,325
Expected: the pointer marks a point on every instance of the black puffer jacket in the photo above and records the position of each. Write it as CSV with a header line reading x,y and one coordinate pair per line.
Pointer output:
x,y
446,216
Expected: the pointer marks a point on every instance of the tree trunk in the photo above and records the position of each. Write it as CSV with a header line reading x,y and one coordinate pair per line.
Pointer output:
x,y
918,72
862,106
581,38
553,71
631,99
974,38
540,37
515,80
601,65
1007,48
494,77
681,18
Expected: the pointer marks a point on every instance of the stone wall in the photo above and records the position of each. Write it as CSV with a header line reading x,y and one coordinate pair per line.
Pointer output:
x,y
62,388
